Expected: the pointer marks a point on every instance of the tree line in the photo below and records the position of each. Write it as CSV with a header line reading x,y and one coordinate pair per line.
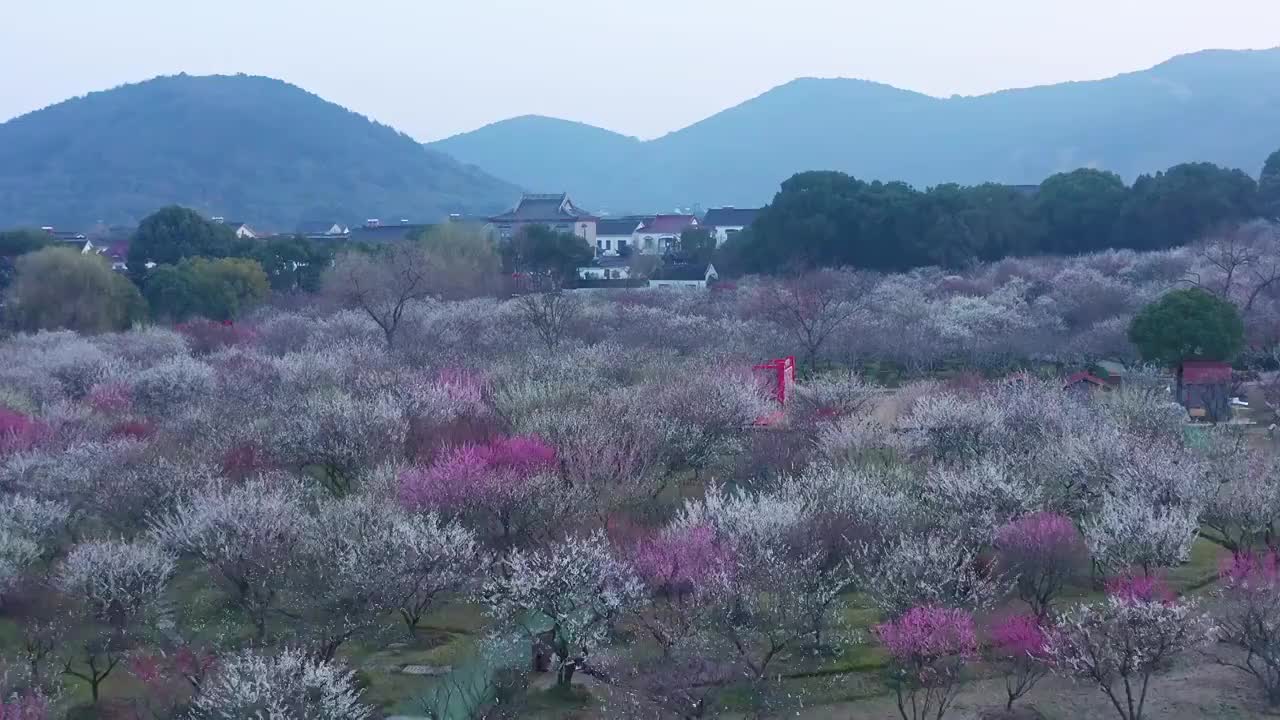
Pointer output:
x,y
831,219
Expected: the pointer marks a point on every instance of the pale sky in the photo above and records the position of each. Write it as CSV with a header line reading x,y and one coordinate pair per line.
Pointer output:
x,y
433,68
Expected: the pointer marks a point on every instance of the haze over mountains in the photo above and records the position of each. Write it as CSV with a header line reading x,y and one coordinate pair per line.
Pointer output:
x,y
267,152
242,147
1217,106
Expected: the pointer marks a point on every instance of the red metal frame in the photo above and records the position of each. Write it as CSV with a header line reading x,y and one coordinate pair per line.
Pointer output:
x,y
784,372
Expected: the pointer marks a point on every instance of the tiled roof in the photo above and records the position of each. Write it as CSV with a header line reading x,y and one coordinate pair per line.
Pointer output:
x,y
730,217
669,224
617,226
316,227
387,233
543,208
681,271
1205,372
1082,376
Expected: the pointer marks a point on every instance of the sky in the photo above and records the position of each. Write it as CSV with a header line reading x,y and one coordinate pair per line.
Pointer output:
x,y
433,68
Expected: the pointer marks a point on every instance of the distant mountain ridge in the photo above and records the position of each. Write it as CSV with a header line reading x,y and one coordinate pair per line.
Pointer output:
x,y
243,147
1221,106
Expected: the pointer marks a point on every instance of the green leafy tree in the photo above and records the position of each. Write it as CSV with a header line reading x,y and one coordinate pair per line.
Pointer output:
x,y
465,260
1269,187
697,245
173,234
1182,204
58,288
539,249
200,287
290,263
1187,324
15,243
1079,210
22,241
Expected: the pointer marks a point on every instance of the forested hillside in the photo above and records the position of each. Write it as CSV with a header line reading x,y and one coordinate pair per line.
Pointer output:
x,y
242,147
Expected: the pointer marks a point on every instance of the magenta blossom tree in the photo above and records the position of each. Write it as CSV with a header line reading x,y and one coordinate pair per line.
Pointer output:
x,y
503,487
1135,587
19,432
929,647
1018,647
677,566
1044,551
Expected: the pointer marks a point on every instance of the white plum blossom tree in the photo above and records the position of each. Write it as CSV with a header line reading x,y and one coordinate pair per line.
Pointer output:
x,y
113,588
289,685
1118,643
928,570
247,535
568,598
1131,532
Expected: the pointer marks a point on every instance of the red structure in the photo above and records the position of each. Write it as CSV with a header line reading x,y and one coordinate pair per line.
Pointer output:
x,y
1204,389
782,374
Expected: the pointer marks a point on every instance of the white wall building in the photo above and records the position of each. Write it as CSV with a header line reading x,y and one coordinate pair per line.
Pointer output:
x,y
725,222
661,234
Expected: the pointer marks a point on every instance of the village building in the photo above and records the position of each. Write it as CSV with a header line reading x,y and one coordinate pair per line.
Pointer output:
x,y
606,268
375,232
615,235
726,222
556,211
244,232
1204,389
661,234
684,275
1084,384
323,230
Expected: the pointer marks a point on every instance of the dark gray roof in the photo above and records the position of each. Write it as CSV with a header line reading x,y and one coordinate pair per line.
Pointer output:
x,y
611,261
617,226
731,217
543,208
388,233
681,271
316,227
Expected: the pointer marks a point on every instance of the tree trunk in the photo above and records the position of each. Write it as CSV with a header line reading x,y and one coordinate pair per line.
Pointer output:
x,y
564,678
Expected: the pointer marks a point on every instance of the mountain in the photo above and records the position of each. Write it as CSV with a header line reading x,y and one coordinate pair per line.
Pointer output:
x,y
246,148
1220,106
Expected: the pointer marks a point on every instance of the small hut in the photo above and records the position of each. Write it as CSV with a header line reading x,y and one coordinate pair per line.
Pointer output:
x,y
1083,384
1204,389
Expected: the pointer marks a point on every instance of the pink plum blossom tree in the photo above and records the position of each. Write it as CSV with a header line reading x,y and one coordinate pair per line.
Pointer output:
x,y
929,647
1019,649
1044,551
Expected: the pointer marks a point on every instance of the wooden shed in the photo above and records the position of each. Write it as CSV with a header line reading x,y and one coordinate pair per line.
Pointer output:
x,y
1204,389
